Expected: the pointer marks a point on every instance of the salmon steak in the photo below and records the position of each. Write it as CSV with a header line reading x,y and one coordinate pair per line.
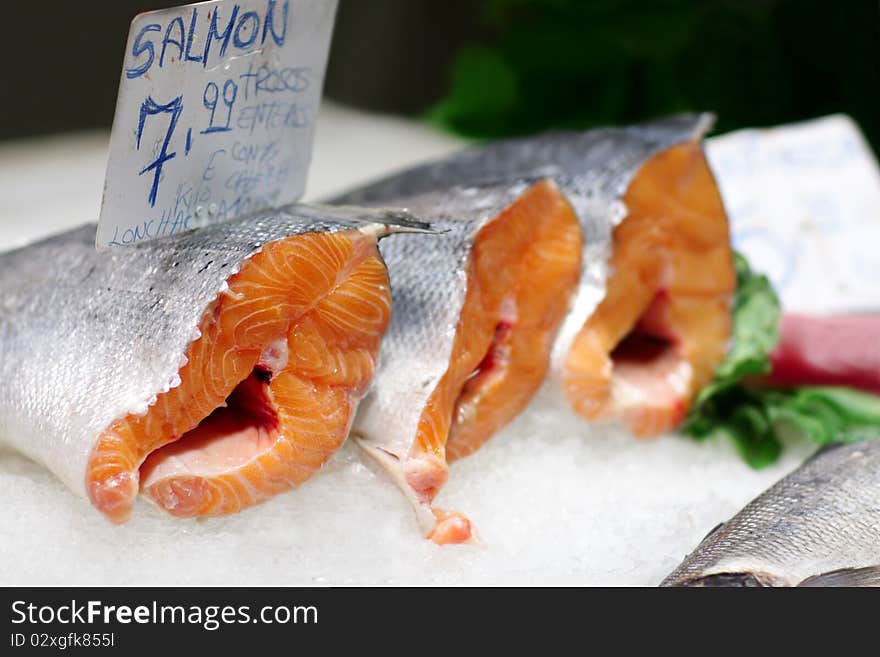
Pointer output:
x,y
652,317
209,371
476,311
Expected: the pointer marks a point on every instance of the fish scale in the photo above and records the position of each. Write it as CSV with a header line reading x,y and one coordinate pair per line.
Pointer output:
x,y
89,337
427,294
448,301
819,524
595,171
593,168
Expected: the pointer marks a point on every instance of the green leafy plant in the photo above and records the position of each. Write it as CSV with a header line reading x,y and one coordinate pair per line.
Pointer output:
x,y
576,63
738,406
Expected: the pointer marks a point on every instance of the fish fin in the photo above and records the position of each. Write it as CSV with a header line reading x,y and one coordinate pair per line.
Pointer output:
x,y
704,124
401,220
392,464
441,527
387,219
866,576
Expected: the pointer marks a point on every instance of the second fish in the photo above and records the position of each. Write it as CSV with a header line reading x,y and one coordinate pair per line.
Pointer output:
x,y
475,313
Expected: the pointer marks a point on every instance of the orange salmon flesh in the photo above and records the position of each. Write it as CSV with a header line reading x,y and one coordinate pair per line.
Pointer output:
x,y
523,268
268,389
664,324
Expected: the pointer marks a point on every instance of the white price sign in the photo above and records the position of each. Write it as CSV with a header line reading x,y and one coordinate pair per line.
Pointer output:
x,y
215,114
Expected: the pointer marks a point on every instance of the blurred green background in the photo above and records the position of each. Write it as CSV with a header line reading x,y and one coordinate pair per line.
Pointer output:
x,y
577,63
487,68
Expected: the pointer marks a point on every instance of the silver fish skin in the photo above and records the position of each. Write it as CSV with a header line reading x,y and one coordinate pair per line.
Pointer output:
x,y
89,337
428,288
820,525
593,168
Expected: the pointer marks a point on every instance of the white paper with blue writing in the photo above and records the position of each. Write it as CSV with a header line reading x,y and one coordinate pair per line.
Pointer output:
x,y
215,114
804,206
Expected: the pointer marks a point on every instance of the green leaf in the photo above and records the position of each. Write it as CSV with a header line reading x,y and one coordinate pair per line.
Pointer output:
x,y
755,332
753,433
736,406
856,406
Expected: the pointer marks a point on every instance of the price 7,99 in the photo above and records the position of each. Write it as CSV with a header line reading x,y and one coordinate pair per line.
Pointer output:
x,y
218,121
